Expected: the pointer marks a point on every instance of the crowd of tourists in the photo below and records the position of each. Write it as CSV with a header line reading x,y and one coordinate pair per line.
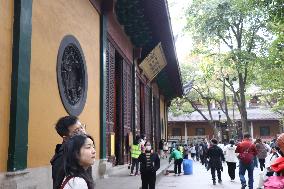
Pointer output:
x,y
74,157
246,154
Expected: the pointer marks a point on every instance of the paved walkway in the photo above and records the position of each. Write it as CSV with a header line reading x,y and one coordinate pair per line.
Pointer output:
x,y
201,179
121,179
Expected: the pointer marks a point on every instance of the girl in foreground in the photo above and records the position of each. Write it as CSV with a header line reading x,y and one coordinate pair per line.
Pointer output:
x,y
79,155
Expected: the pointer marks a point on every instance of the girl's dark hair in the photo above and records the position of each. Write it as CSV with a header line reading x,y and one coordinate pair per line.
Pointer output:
x,y
71,159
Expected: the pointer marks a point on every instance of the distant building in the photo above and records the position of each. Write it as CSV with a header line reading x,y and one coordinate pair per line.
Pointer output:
x,y
263,123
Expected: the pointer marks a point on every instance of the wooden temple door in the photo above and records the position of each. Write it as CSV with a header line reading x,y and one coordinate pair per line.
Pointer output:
x,y
110,101
148,114
142,109
156,122
137,106
119,142
118,106
127,108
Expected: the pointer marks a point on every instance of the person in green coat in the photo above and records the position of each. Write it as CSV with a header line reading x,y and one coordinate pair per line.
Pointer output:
x,y
177,156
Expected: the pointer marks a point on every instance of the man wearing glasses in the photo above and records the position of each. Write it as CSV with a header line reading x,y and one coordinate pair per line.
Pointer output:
x,y
66,127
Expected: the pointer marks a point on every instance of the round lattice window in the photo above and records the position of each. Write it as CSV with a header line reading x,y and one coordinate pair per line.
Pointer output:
x,y
72,75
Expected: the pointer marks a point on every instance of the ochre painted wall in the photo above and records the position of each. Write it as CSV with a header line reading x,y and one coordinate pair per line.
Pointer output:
x,y
52,20
6,23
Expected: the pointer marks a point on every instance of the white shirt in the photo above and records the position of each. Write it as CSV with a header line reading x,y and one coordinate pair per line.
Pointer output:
x,y
268,148
230,154
270,159
192,150
76,183
220,145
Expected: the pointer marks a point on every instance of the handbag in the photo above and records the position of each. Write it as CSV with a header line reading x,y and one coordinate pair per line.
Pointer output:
x,y
65,181
246,157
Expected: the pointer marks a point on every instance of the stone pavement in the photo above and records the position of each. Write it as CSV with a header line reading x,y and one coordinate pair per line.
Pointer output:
x,y
120,178
201,179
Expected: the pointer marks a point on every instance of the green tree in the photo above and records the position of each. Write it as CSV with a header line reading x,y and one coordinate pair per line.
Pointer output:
x,y
241,27
271,67
205,89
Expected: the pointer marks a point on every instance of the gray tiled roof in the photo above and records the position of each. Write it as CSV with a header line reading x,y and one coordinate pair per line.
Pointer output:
x,y
253,114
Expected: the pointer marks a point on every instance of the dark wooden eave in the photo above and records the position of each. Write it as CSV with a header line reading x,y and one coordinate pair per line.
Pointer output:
x,y
147,23
158,14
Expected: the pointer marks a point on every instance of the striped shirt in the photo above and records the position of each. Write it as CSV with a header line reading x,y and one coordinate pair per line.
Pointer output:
x,y
148,164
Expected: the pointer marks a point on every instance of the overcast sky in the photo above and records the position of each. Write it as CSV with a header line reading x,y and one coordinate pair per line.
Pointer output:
x,y
177,12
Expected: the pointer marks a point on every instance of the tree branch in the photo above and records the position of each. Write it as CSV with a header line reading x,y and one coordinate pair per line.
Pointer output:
x,y
209,109
236,95
271,105
241,32
198,110
246,73
224,40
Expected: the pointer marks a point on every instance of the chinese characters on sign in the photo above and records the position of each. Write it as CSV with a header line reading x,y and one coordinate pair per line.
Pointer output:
x,y
154,62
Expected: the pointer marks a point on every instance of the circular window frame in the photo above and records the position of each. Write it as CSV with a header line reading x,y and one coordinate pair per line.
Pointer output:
x,y
76,109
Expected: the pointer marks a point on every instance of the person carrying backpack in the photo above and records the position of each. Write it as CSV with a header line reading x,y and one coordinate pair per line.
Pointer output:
x,y
261,153
247,151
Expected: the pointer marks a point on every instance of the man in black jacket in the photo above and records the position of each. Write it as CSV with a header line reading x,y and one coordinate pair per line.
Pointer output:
x,y
216,156
150,163
66,127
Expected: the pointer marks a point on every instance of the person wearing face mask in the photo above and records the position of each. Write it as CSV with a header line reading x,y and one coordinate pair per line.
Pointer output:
x,y
149,164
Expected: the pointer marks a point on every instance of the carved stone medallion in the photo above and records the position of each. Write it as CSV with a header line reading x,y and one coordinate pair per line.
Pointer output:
x,y
72,75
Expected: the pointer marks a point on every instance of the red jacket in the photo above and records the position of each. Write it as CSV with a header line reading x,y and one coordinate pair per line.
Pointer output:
x,y
278,165
246,145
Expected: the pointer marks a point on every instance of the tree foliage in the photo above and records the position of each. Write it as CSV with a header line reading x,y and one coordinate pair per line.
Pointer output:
x,y
271,67
240,29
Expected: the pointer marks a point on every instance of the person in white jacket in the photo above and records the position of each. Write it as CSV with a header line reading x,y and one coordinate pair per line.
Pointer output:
x,y
270,159
231,158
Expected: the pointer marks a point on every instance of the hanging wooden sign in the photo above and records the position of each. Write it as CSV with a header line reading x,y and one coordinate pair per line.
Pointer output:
x,y
154,62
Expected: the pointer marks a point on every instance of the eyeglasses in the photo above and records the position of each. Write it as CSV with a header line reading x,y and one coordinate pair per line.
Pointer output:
x,y
80,129
83,126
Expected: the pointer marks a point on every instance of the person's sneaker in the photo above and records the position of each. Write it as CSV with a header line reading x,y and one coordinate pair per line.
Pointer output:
x,y
243,186
214,182
219,181
131,174
176,174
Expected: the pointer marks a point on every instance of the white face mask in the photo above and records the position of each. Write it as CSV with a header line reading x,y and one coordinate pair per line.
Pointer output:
x,y
148,148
